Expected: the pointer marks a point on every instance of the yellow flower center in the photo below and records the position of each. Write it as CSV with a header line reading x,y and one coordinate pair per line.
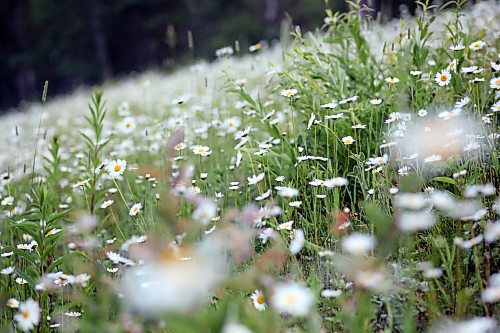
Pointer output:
x,y
25,314
127,125
260,299
443,78
117,168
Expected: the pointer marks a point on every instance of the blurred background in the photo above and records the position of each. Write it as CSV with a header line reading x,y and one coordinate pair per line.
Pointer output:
x,y
72,43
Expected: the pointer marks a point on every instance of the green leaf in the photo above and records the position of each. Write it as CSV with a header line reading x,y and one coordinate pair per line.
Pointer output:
x,y
65,258
447,180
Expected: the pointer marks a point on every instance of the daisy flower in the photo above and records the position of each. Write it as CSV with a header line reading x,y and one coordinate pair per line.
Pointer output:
x,y
7,270
255,179
292,299
21,281
468,70
358,244
443,78
116,168
331,105
285,226
495,107
201,150
12,303
258,300
288,92
415,73
231,124
348,140
297,242
359,126
462,102
477,45
28,316
457,47
7,201
180,146
134,210
127,125
287,192
422,113
495,83
205,212
335,182
106,204
391,80
375,101
452,66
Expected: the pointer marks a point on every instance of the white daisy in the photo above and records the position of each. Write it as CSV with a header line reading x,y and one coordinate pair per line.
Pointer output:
x,y
348,140
28,316
135,209
292,299
116,168
259,302
443,78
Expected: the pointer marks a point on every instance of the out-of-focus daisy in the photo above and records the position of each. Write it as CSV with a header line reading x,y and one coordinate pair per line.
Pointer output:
x,y
495,107
414,221
422,113
232,124
106,204
328,293
21,281
375,101
255,179
297,242
201,150
116,168
285,226
180,146
495,83
205,212
391,80
457,47
28,316
259,302
335,182
135,209
7,270
12,303
452,66
358,244
492,293
127,125
288,92
331,105
477,45
7,201
292,299
287,192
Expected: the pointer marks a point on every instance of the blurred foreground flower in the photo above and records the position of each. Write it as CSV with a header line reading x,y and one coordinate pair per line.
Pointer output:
x,y
176,279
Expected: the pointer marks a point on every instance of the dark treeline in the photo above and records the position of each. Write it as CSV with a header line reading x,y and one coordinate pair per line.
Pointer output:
x,y
75,42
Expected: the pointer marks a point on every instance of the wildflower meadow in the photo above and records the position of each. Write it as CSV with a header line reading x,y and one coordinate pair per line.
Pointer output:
x,y
339,180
